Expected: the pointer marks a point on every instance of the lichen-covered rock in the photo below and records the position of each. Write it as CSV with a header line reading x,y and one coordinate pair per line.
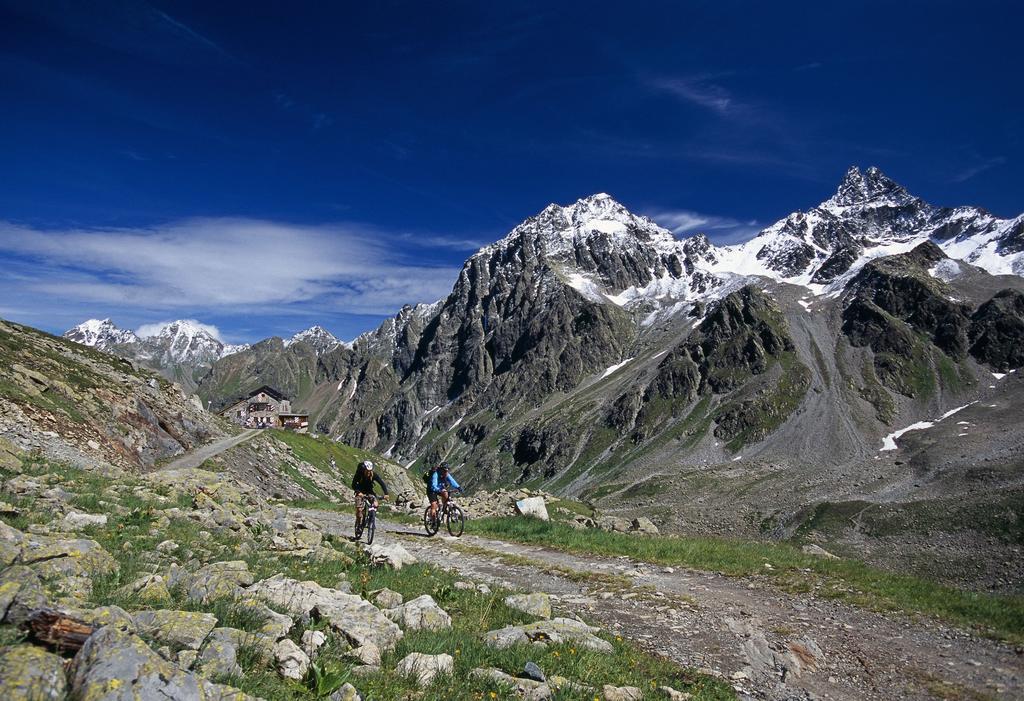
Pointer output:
x,y
187,629
218,580
422,613
104,616
357,619
557,630
30,673
535,604
423,668
220,651
114,665
21,592
347,692
621,693
525,688
74,521
62,557
150,589
386,598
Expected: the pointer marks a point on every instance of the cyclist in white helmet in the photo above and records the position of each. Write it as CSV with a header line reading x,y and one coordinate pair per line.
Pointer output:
x,y
362,485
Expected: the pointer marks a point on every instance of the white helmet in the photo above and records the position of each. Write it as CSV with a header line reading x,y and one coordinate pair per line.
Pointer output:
x,y
366,465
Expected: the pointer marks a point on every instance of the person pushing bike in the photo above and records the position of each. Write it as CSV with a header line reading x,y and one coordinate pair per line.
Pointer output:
x,y
362,485
440,481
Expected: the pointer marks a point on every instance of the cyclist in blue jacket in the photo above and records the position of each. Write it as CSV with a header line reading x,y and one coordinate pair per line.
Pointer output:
x,y
440,481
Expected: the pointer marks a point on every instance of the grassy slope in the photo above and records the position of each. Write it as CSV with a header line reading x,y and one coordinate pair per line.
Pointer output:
x,y
847,580
130,536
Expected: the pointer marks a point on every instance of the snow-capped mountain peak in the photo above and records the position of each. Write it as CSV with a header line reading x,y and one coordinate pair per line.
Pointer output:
x,y
100,333
318,337
871,187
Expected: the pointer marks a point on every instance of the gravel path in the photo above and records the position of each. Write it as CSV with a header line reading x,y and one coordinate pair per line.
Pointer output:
x,y
769,644
198,456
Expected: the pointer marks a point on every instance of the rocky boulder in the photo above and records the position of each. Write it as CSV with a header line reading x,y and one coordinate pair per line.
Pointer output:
x,y
422,613
423,668
114,665
29,673
536,604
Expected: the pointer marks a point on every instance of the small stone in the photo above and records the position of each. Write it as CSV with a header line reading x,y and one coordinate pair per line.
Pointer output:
x,y
346,693
386,598
292,662
425,667
532,671
312,640
536,604
368,654
621,693
643,525
667,692
818,551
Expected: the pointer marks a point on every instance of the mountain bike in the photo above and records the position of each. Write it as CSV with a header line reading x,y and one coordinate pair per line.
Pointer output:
x,y
450,514
369,523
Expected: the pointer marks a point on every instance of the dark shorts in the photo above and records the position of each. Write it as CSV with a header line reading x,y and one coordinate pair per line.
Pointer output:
x,y
433,496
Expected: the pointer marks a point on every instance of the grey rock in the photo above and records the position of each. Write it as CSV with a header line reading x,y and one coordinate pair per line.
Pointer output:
x,y
621,693
532,671
30,673
557,630
347,692
391,555
115,665
422,613
386,598
423,668
535,604
533,507
21,592
187,629
292,662
357,619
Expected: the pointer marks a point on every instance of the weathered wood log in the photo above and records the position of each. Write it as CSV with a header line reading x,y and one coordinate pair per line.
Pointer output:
x,y
63,632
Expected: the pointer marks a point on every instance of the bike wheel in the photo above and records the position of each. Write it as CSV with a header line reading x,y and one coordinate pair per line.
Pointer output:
x,y
456,521
430,525
371,528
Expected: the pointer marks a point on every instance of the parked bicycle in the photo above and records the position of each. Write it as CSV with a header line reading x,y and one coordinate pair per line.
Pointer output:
x,y
369,523
450,514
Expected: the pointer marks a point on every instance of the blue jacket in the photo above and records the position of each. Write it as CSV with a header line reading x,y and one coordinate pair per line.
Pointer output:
x,y
435,482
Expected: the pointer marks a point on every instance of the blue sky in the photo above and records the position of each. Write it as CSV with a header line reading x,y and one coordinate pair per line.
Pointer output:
x,y
264,168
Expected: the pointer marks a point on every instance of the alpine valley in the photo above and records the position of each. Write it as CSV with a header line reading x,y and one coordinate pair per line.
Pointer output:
x,y
846,377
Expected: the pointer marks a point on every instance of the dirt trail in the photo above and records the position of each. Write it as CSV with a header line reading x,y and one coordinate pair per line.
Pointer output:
x,y
196,457
769,644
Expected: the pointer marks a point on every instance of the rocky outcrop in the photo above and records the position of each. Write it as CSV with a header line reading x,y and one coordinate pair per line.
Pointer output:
x,y
997,331
81,406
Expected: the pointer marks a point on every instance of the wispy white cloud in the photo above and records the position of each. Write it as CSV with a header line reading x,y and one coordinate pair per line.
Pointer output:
x,y
697,91
978,168
722,229
220,265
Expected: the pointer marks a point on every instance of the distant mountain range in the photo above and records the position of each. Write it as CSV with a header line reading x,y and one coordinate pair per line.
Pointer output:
x,y
779,384
181,350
